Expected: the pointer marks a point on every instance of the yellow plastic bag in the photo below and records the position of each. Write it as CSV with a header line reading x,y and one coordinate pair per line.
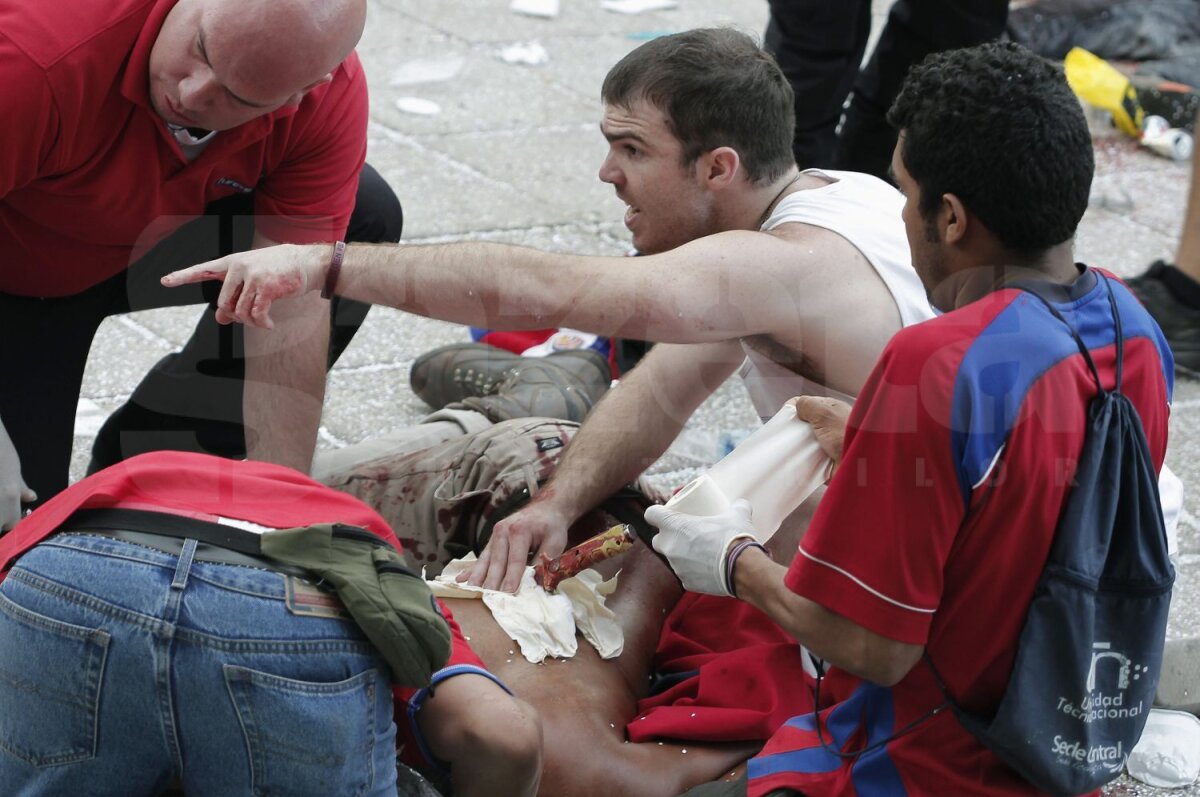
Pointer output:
x,y
1098,83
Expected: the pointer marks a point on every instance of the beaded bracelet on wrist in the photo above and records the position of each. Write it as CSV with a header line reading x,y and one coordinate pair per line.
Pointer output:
x,y
334,270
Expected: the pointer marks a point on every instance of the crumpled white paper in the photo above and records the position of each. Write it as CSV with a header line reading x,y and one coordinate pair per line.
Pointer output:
x,y
543,623
598,624
1168,754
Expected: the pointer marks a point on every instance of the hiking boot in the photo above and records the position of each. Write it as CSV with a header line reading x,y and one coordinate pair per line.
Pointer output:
x,y
1179,322
458,371
565,384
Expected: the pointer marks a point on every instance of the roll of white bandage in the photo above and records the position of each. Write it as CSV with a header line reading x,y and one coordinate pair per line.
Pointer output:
x,y
774,469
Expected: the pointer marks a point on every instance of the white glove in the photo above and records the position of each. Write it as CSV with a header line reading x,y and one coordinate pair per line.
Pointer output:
x,y
698,547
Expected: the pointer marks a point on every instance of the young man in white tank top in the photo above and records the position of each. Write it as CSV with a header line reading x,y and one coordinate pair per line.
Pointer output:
x,y
808,272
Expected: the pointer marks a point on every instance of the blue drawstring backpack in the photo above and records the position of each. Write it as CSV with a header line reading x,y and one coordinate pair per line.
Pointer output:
x,y
1089,654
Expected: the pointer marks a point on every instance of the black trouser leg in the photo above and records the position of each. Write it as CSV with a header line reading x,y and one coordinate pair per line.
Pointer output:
x,y
914,29
819,45
44,351
192,400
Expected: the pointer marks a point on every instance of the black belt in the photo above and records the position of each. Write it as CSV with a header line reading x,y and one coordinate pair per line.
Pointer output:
x,y
163,531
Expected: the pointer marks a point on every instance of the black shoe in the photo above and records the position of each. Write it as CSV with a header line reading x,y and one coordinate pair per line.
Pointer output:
x,y
565,384
459,371
1179,322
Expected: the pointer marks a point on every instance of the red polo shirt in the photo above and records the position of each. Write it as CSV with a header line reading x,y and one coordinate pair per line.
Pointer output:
x,y
90,177
199,486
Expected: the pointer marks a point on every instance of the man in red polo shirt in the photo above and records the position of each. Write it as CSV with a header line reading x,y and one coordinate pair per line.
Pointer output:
x,y
140,135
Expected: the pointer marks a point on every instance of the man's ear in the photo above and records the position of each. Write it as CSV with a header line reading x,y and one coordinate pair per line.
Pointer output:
x,y
720,167
953,219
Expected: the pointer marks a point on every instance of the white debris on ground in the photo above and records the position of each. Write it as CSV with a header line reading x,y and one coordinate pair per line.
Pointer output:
x,y
418,106
535,8
427,70
637,6
530,53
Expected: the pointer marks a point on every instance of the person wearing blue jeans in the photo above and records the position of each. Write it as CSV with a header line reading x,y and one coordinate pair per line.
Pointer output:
x,y
136,662
130,669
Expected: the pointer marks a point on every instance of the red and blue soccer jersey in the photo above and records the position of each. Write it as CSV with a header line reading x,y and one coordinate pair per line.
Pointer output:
x,y
958,459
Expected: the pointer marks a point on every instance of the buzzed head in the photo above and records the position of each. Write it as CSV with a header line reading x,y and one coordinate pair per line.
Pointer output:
x,y
280,45
217,64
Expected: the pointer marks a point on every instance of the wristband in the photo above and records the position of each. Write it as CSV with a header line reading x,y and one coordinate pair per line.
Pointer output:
x,y
733,556
335,268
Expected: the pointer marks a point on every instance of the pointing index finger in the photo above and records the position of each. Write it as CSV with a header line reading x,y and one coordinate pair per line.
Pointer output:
x,y
187,276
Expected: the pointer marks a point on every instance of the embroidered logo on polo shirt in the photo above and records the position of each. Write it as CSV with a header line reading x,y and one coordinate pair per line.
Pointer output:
x,y
234,184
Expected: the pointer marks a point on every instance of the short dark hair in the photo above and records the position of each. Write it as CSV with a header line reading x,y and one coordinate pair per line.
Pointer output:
x,y
717,88
999,127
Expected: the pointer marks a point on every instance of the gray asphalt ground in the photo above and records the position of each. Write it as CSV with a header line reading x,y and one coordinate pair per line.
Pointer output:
x,y
511,155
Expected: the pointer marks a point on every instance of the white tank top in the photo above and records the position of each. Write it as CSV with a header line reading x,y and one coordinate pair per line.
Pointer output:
x,y
866,212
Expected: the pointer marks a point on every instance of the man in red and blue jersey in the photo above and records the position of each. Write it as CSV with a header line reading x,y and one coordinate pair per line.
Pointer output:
x,y
958,456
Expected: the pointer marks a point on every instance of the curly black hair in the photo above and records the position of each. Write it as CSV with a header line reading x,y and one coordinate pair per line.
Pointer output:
x,y
999,127
717,88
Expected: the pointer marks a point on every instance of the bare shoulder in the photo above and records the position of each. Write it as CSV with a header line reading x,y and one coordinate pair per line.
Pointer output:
x,y
818,247
843,312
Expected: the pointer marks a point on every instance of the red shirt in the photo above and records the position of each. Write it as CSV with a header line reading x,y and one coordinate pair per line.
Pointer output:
x,y
198,485
958,458
90,177
208,487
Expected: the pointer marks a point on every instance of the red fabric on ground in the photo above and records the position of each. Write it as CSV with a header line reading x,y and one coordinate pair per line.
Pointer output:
x,y
540,342
749,677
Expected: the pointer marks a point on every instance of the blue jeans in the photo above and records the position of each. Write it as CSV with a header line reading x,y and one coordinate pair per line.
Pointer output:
x,y
124,669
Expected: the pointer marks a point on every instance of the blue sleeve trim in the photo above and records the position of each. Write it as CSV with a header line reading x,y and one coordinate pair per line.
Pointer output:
x,y
421,695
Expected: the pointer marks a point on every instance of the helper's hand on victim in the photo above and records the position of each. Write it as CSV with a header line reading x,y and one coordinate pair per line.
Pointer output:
x,y
255,279
537,528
